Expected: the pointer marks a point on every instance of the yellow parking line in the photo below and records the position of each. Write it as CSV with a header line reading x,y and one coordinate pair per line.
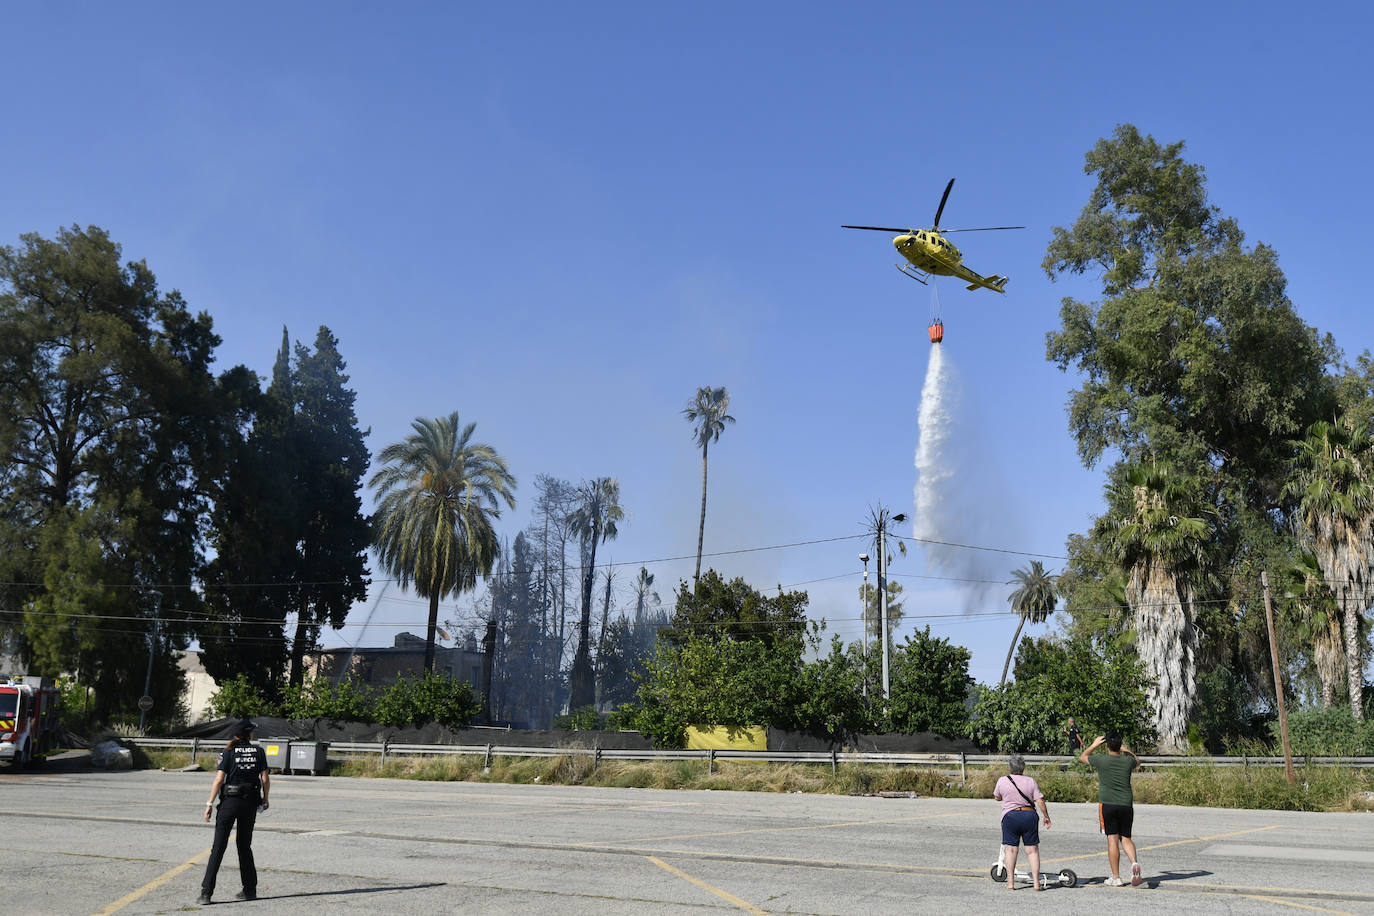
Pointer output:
x,y
1201,839
723,895
153,885
1301,906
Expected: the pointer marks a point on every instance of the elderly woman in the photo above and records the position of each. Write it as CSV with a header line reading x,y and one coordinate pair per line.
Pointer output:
x,y
1020,796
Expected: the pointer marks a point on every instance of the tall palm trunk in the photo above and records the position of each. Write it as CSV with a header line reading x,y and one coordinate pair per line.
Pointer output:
x,y
1342,560
582,680
701,528
1165,641
1014,637
1353,668
1329,658
432,630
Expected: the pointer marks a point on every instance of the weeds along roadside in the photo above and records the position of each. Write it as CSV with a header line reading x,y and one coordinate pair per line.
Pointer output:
x,y
1318,788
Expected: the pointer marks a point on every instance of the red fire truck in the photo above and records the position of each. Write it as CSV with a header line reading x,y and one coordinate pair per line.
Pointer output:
x,y
28,720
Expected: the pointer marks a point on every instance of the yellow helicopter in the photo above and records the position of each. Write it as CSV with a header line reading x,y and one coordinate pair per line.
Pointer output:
x,y
928,252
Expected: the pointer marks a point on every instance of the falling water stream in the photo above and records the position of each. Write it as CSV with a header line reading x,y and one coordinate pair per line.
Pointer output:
x,y
935,470
960,496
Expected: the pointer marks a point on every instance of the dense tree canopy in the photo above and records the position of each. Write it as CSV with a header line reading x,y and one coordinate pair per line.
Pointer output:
x,y
290,536
1194,362
112,433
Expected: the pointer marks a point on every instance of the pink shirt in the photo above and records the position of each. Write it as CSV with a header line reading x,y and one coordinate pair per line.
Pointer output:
x,y
1005,792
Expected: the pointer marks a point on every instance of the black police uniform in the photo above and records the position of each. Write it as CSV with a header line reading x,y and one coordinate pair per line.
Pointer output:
x,y
239,799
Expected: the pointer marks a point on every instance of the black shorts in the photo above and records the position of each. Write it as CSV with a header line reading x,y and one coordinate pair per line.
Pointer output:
x,y
1021,827
1116,819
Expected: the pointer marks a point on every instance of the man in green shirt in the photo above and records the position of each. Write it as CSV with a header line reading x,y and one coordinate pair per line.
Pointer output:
x,y
1115,809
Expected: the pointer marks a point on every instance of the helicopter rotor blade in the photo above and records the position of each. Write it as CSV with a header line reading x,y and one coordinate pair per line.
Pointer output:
x,y
941,208
881,229
981,229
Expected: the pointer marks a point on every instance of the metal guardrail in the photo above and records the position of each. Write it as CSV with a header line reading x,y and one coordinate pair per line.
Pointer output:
x,y
342,750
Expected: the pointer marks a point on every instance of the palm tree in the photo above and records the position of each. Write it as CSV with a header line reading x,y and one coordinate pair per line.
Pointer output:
x,y
1334,486
1160,543
1322,621
593,521
1033,600
438,493
708,413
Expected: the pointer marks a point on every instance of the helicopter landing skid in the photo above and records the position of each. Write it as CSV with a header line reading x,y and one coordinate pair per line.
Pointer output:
x,y
920,276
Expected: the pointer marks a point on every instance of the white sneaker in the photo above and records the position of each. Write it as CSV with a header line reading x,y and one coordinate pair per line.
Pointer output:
x,y
1114,881
1135,874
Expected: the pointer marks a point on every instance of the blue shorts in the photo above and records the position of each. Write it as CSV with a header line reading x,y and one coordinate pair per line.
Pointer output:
x,y
1020,827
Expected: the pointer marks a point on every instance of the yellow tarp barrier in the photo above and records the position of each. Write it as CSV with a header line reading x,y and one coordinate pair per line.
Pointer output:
x,y
725,737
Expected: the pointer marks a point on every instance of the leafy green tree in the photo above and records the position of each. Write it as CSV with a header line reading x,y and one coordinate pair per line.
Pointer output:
x,y
250,582
429,698
239,697
1103,689
830,699
594,521
1194,358
707,413
112,431
731,656
618,661
1334,486
929,685
1033,599
1195,355
718,682
289,532
873,616
438,493
349,701
331,459
715,608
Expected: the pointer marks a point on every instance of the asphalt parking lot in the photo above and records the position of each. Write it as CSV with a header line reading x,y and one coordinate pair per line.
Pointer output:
x,y
95,842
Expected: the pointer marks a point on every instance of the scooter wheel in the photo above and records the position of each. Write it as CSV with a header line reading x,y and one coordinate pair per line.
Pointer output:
x,y
998,873
1067,878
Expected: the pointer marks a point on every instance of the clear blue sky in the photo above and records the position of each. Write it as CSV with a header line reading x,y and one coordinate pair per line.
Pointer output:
x,y
561,220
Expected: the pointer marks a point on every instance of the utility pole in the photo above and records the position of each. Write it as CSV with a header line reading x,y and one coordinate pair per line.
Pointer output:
x,y
882,592
1278,682
863,557
145,701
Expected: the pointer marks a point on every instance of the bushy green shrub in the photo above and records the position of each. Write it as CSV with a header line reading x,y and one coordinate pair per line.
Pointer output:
x,y
238,698
319,698
584,718
1103,691
73,707
432,698
1329,732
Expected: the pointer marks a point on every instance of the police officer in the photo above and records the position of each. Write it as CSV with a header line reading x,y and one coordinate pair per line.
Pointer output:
x,y
241,784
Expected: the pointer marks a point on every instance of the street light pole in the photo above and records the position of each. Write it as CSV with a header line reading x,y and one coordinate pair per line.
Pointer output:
x,y
152,646
864,558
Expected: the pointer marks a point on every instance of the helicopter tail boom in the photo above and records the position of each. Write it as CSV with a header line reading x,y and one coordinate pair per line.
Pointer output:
x,y
993,282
